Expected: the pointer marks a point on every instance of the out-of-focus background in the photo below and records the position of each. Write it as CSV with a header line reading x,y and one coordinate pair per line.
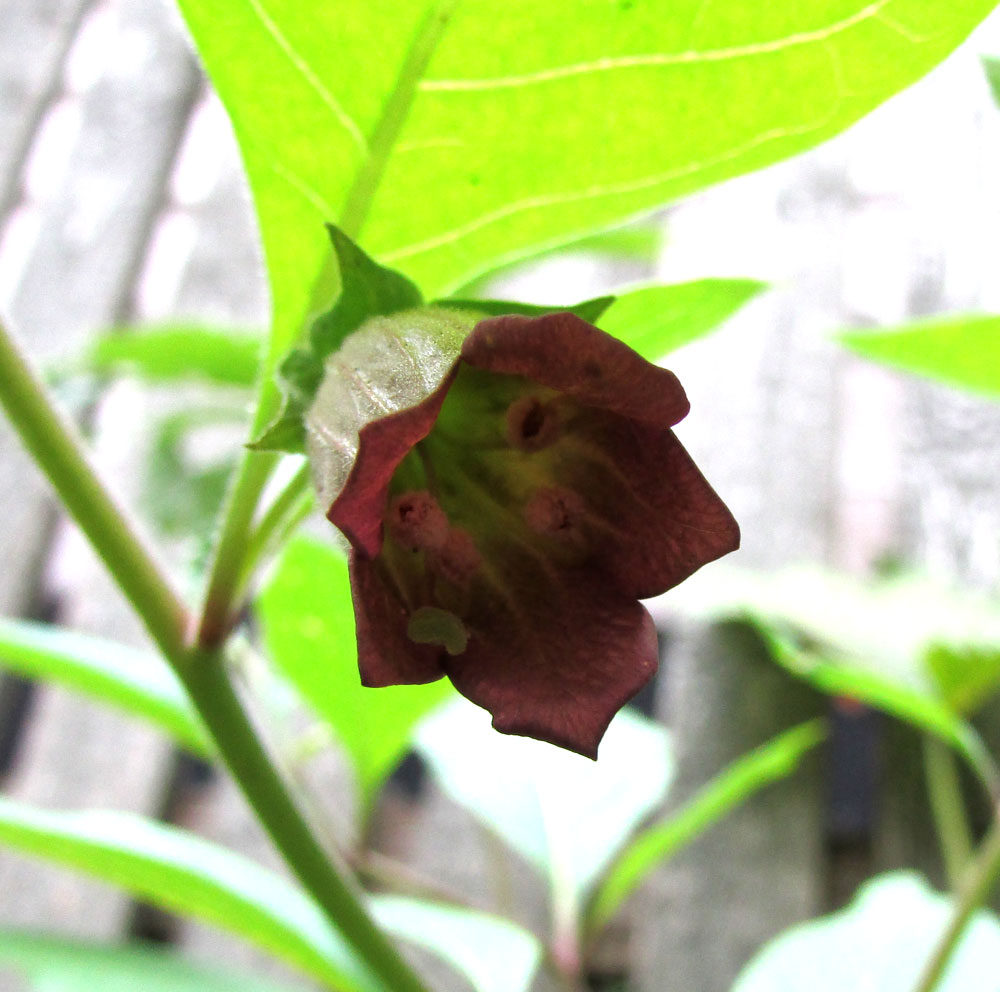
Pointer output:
x,y
122,203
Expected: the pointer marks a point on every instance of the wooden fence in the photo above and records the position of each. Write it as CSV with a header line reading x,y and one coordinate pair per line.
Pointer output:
x,y
122,200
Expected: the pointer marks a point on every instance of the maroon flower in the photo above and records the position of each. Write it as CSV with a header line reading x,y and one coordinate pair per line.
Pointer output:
x,y
505,527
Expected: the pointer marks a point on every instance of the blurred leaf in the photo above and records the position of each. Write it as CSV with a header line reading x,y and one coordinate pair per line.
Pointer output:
x,y
478,139
991,66
736,783
192,877
655,320
886,627
871,641
967,676
880,942
495,954
308,621
55,964
136,682
184,493
172,353
566,814
962,351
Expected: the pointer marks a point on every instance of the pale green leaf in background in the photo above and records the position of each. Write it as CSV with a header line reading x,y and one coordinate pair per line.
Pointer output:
x,y
173,353
655,320
135,682
476,139
961,350
308,623
493,953
768,763
188,875
887,627
991,66
566,814
880,942
870,641
56,964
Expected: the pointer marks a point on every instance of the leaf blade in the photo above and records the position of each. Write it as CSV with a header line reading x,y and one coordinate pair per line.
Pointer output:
x,y
136,682
79,966
190,876
768,763
959,350
177,352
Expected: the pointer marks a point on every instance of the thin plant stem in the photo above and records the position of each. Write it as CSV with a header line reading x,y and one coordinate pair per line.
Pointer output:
x,y
979,881
948,809
224,580
59,452
58,449
219,707
289,508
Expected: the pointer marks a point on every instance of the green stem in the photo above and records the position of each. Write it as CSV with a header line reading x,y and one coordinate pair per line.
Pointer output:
x,y
59,452
58,449
224,580
979,882
948,809
220,709
289,508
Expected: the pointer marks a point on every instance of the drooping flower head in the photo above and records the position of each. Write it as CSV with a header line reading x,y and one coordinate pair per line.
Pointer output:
x,y
508,508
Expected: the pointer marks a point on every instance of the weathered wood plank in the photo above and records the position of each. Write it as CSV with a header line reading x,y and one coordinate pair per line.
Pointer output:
x,y
36,37
76,278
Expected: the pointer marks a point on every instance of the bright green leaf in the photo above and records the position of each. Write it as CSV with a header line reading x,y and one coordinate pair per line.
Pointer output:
x,y
967,676
55,964
136,682
991,66
961,351
881,941
566,814
188,875
655,320
736,783
493,953
477,139
308,625
171,353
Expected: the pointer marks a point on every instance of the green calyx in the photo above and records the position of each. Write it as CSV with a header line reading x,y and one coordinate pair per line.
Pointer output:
x,y
369,291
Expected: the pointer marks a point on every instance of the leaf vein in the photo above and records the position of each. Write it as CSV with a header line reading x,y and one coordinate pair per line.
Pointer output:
x,y
307,73
659,59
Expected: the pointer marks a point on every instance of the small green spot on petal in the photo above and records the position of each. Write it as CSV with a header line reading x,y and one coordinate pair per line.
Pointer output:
x,y
431,625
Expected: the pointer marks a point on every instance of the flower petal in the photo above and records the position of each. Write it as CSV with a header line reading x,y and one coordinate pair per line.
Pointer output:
x,y
660,519
386,655
575,652
382,445
566,353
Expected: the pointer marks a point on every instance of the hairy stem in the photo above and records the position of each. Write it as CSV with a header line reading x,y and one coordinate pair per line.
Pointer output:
x,y
979,882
